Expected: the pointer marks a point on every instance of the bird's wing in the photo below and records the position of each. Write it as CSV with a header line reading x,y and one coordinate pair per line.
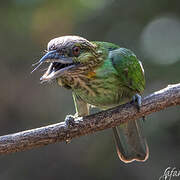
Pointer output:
x,y
129,69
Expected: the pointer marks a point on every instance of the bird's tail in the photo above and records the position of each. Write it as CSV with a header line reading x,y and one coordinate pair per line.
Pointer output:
x,y
130,143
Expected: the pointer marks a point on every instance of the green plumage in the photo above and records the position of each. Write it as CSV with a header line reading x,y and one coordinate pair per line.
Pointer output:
x,y
117,78
104,75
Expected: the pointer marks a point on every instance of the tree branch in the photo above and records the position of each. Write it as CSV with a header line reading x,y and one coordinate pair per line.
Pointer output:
x,y
29,139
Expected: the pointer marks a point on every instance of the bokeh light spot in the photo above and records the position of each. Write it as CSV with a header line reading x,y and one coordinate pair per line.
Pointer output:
x,y
160,40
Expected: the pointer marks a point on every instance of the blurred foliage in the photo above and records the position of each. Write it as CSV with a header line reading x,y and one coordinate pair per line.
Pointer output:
x,y
150,28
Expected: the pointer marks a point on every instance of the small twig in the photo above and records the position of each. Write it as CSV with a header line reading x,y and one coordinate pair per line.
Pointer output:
x,y
33,138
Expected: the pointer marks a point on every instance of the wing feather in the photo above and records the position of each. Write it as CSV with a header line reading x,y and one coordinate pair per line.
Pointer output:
x,y
129,68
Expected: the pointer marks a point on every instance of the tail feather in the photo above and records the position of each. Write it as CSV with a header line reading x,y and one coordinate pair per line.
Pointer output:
x,y
130,143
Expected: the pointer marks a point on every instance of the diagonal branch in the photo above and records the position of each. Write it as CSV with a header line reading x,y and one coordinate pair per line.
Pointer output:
x,y
33,138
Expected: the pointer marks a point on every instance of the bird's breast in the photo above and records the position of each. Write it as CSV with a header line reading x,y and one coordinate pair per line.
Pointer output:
x,y
103,92
100,87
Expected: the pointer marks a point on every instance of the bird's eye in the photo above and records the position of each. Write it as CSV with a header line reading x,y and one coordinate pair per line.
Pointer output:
x,y
76,51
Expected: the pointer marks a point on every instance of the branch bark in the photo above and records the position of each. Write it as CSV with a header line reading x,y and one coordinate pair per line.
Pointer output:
x,y
33,138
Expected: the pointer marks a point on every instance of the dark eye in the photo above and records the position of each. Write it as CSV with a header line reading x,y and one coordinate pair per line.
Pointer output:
x,y
76,51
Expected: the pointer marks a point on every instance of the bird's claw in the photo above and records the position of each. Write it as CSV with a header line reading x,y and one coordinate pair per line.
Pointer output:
x,y
69,121
137,100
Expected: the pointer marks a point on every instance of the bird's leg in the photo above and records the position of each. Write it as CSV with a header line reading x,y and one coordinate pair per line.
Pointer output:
x,y
137,100
82,109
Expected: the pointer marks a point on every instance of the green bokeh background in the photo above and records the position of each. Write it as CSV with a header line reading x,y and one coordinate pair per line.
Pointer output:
x,y
146,27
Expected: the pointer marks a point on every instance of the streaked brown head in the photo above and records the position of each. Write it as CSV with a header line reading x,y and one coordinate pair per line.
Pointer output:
x,y
67,54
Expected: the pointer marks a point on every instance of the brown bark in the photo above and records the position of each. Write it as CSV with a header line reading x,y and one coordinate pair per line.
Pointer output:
x,y
33,138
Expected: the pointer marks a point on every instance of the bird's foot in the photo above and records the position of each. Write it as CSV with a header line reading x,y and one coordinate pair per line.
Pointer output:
x,y
137,100
69,121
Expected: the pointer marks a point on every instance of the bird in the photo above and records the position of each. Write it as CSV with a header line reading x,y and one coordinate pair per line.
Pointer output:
x,y
102,75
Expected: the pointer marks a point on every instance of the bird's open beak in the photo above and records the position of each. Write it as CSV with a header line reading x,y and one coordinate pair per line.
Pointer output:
x,y
58,65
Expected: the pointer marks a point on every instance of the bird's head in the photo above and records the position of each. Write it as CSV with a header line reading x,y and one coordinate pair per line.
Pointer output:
x,y
68,55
